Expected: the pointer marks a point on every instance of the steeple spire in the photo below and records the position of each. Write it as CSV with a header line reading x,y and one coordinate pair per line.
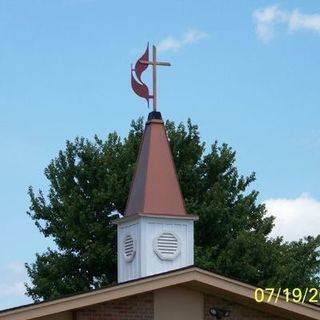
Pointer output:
x,y
155,188
156,234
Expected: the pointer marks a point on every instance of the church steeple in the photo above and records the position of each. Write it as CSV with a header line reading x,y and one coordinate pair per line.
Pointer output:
x,y
155,188
156,233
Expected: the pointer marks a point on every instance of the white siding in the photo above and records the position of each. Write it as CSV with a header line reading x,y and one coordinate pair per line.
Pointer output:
x,y
128,270
146,262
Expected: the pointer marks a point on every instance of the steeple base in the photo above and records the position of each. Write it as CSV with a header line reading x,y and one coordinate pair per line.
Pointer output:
x,y
149,245
154,115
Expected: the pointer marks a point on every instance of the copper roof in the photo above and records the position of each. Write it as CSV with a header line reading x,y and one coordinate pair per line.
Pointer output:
x,y
155,188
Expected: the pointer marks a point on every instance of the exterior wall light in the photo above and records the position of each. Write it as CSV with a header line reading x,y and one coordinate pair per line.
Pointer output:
x,y
219,313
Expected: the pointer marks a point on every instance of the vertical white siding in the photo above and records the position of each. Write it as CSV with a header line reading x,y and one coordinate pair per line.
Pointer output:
x,y
128,270
146,262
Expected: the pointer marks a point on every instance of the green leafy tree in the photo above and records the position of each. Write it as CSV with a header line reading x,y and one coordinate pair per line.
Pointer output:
x,y
89,183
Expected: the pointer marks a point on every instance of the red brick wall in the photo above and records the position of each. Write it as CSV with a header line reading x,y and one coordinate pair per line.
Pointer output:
x,y
138,307
141,307
237,311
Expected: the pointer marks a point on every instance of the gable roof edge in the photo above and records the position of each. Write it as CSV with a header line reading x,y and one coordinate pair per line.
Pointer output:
x,y
190,275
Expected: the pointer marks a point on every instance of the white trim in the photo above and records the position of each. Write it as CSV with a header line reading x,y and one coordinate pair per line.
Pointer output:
x,y
150,215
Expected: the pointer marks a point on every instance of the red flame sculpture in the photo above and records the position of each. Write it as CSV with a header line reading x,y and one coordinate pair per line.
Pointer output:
x,y
138,86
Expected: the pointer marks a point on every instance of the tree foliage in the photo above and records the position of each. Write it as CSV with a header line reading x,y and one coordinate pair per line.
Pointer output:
x,y
89,181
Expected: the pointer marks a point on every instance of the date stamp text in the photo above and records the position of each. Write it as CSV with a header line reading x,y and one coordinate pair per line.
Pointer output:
x,y
296,295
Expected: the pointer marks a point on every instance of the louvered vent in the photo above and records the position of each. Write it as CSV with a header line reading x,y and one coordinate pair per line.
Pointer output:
x,y
167,246
129,248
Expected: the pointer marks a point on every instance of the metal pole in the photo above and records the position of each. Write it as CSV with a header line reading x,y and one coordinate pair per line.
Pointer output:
x,y
154,77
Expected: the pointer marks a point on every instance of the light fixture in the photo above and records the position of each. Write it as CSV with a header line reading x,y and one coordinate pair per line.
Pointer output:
x,y
219,313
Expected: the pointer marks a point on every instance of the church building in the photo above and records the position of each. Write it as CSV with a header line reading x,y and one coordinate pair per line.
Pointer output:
x,y
157,278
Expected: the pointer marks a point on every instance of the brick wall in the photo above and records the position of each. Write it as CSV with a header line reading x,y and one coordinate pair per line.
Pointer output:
x,y
141,307
138,307
237,311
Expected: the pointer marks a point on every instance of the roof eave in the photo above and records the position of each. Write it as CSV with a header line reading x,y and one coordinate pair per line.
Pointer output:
x,y
192,277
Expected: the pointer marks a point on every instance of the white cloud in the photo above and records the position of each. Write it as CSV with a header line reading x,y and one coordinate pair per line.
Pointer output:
x,y
299,21
268,19
16,268
12,289
295,218
174,44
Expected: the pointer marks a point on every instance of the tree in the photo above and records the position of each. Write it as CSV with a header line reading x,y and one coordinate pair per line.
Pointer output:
x,y
89,183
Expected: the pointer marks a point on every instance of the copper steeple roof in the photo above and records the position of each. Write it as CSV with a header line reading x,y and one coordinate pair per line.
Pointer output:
x,y
155,188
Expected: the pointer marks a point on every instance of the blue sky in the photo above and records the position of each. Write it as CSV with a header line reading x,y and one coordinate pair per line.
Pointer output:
x,y
247,72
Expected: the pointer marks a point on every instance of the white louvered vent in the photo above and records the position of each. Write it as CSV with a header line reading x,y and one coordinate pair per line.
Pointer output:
x,y
167,246
129,248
